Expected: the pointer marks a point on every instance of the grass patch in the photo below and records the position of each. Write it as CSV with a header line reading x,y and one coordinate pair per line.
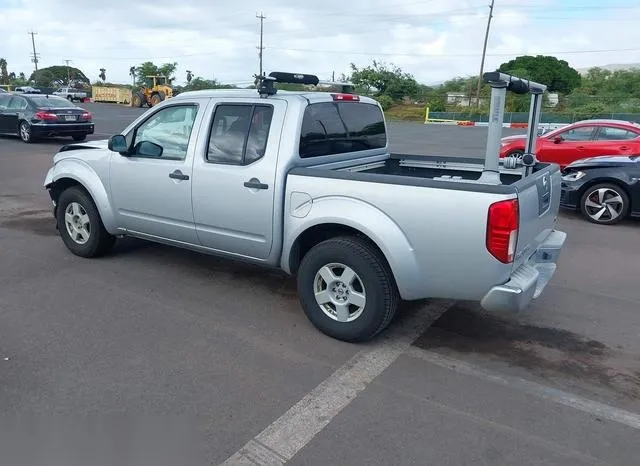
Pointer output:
x,y
406,113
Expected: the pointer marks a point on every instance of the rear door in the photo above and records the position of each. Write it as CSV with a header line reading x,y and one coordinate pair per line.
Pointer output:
x,y
616,140
234,177
10,115
6,117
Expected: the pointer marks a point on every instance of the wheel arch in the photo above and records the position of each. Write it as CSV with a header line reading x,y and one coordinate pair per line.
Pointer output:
x,y
387,238
87,180
607,179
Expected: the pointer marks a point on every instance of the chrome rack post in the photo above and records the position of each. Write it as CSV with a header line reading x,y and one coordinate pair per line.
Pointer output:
x,y
491,172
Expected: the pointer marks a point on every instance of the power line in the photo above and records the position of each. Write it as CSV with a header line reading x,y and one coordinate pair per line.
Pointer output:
x,y
261,48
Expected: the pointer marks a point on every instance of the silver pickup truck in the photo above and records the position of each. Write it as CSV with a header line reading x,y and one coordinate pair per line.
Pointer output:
x,y
304,181
71,94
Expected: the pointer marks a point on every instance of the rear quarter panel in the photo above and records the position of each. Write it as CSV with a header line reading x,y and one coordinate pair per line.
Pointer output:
x,y
433,239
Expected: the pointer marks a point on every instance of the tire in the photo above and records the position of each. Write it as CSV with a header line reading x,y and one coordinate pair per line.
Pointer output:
x,y
516,153
24,131
138,100
80,137
605,204
156,99
75,202
70,98
373,280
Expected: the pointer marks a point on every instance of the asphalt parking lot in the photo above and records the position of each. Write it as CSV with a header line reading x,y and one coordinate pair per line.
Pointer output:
x,y
160,337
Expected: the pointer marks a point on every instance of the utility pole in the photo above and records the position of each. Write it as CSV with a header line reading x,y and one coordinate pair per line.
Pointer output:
x,y
333,76
261,48
35,55
68,72
484,53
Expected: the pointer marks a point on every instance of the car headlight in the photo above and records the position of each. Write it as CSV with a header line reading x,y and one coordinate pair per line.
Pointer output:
x,y
573,176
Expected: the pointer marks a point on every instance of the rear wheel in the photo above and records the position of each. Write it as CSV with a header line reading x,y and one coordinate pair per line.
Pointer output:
x,y
346,289
157,98
516,153
604,204
80,225
70,98
24,129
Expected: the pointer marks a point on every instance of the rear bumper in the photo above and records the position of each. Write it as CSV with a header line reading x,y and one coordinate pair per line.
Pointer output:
x,y
528,281
61,129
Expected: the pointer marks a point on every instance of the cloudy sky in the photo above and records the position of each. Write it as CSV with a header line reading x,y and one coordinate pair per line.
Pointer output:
x,y
432,39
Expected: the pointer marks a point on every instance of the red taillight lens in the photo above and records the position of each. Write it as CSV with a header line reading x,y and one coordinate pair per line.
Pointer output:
x,y
42,115
347,97
502,230
87,116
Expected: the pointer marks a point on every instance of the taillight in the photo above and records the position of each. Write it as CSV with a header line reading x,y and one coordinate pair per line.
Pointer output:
x,y
87,116
347,97
502,230
43,115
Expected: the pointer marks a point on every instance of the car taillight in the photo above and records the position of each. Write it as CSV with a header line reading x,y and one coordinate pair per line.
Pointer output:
x,y
42,115
87,116
348,97
502,229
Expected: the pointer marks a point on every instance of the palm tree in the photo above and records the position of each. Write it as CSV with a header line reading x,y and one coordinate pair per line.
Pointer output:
x,y
189,76
132,73
103,74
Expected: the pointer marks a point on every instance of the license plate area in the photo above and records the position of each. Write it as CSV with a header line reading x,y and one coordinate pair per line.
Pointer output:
x,y
69,118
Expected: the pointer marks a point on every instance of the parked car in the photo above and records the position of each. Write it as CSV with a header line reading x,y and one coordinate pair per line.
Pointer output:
x,y
588,138
304,181
71,94
3,91
605,189
33,116
26,90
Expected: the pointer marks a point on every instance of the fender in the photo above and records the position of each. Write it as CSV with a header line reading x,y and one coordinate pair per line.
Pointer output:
x,y
81,172
370,221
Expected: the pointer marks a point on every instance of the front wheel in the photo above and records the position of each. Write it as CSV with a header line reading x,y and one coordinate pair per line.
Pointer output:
x,y
604,204
346,289
80,225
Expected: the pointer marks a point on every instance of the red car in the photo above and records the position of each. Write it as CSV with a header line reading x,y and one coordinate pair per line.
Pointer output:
x,y
587,138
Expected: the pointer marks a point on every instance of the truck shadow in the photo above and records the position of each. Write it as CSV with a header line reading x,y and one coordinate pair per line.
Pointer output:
x,y
548,352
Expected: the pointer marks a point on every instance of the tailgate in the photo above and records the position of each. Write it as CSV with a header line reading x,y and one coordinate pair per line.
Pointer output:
x,y
539,202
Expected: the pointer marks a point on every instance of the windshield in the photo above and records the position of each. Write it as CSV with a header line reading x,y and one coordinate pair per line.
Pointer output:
x,y
51,101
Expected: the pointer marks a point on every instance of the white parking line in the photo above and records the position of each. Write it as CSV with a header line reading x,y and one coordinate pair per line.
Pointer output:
x,y
287,435
585,405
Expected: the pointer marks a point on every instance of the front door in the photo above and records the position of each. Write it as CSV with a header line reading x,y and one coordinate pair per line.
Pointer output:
x,y
234,184
8,114
573,144
151,193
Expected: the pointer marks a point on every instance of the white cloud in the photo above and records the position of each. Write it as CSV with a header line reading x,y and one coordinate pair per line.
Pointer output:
x,y
432,39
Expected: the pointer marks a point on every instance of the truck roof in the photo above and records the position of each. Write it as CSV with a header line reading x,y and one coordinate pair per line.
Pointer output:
x,y
313,96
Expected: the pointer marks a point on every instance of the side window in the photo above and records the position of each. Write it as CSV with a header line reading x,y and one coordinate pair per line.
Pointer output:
x,y
4,101
340,127
239,133
17,103
609,133
582,133
169,128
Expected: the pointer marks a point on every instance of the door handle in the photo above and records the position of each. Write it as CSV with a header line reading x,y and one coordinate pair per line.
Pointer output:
x,y
178,175
624,147
254,183
580,147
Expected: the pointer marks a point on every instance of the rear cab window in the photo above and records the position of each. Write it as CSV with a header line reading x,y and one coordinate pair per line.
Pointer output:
x,y
330,128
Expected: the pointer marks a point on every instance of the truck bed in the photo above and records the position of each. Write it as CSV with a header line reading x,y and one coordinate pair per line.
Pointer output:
x,y
434,168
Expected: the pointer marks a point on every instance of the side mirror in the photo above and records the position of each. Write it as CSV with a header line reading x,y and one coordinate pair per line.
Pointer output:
x,y
117,143
148,149
557,140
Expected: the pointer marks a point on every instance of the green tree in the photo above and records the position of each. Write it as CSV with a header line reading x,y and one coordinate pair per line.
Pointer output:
x,y
4,74
548,70
149,68
57,75
385,79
